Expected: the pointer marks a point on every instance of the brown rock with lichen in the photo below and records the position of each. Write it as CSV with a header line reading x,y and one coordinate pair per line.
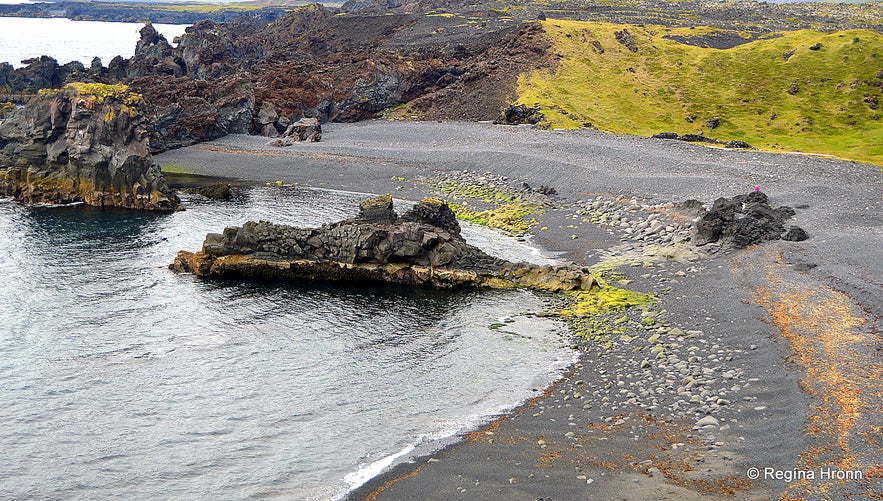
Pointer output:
x,y
84,143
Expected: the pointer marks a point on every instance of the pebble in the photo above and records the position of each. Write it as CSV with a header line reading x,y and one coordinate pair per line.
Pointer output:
x,y
708,420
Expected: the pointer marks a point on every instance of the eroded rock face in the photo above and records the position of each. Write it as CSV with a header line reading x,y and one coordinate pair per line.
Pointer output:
x,y
84,143
187,111
421,247
744,220
305,129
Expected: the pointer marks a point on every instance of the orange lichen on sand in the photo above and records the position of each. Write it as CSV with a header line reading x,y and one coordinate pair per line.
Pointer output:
x,y
822,330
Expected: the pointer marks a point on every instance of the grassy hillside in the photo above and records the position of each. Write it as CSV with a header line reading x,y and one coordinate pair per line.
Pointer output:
x,y
775,92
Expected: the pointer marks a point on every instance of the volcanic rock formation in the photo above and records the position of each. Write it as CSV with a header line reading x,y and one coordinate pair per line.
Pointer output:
x,y
744,220
421,247
84,143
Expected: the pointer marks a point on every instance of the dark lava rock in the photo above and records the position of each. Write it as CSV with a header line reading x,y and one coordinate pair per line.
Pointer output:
x,y
796,234
694,138
542,190
519,114
422,247
692,204
84,143
186,111
305,129
665,135
815,46
741,221
713,122
216,191
736,143
377,210
626,39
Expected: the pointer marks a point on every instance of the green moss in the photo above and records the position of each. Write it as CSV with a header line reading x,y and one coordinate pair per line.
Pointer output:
x,y
174,169
511,217
507,211
665,82
596,315
6,108
477,192
607,299
98,93
101,92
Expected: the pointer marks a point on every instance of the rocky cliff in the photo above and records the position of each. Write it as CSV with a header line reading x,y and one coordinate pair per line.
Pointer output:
x,y
83,143
421,247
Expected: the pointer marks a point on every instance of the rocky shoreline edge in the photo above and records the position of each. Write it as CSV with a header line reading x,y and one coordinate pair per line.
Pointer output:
x,y
627,420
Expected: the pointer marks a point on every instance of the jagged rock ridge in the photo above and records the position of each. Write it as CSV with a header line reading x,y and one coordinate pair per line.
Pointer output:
x,y
84,143
421,247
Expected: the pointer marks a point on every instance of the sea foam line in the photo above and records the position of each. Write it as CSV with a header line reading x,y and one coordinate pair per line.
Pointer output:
x,y
366,472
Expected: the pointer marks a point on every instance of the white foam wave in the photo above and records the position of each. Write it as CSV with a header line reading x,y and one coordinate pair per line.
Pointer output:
x,y
436,440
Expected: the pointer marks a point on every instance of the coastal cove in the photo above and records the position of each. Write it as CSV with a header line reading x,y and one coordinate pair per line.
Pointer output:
x,y
123,377
713,309
490,251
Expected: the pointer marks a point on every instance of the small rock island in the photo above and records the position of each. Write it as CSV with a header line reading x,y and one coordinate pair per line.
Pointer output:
x,y
423,246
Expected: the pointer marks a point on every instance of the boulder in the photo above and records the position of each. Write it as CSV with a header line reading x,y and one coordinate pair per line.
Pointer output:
x,y
742,221
84,143
216,191
305,129
520,114
738,144
666,135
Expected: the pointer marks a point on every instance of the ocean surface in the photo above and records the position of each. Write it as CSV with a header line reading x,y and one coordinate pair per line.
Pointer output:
x,y
122,379
65,40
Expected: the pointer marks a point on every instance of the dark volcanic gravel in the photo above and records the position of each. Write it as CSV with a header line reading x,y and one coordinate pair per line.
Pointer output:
x,y
709,382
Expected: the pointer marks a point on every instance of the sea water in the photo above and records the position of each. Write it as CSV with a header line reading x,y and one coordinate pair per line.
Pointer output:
x,y
122,379
24,37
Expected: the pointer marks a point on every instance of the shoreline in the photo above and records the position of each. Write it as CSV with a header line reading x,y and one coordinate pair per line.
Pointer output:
x,y
761,409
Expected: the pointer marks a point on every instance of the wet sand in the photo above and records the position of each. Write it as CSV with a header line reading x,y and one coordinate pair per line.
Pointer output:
x,y
770,356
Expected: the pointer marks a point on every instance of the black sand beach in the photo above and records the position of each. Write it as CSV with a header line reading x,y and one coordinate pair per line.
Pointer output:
x,y
766,357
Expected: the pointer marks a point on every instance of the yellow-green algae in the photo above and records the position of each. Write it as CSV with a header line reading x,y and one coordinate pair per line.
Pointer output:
x,y
593,314
671,86
509,211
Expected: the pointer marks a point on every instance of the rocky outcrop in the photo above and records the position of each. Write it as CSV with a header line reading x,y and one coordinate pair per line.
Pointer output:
x,y
421,247
84,143
186,111
626,39
699,138
305,129
216,191
744,220
37,73
520,114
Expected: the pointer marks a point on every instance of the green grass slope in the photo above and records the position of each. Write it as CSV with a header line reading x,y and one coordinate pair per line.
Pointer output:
x,y
775,93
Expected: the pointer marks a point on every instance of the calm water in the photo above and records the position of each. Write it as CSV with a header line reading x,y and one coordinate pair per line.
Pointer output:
x,y
65,40
120,378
